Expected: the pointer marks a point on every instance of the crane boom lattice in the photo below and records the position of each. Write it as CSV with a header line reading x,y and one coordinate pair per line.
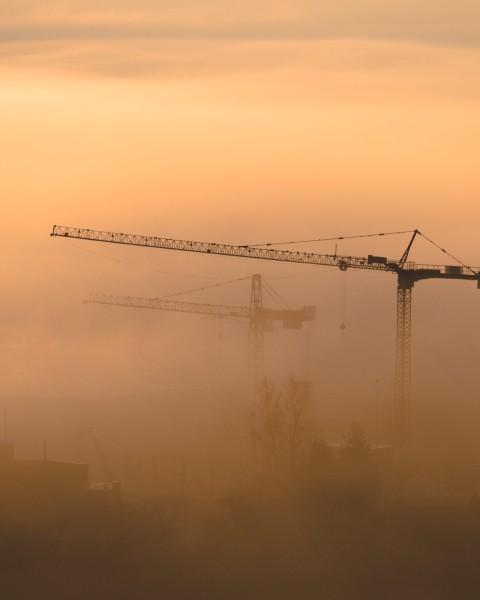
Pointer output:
x,y
215,310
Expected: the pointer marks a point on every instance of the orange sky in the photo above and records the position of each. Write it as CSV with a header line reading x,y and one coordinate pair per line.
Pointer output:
x,y
117,112
235,122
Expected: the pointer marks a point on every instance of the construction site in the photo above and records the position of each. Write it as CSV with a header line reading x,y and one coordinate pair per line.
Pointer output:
x,y
248,429
391,437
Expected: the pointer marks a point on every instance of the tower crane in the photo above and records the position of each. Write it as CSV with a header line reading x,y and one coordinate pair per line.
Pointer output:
x,y
260,318
408,273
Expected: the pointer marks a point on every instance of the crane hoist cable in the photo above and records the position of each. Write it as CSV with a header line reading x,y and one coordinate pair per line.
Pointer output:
x,y
343,275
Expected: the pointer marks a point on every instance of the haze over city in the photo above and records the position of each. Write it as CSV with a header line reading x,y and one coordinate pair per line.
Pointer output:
x,y
241,123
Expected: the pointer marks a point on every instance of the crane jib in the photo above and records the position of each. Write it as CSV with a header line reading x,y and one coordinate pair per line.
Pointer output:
x,y
371,262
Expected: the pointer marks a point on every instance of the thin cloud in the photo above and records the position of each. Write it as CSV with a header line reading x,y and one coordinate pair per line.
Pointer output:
x,y
445,22
175,39
264,72
459,34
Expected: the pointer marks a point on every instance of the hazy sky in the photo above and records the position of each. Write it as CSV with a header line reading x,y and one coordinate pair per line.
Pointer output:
x,y
236,122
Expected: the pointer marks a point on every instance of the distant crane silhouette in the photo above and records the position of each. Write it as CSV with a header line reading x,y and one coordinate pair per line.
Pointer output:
x,y
102,458
260,318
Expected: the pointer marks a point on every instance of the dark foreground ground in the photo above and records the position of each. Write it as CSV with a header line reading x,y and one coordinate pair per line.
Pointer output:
x,y
329,542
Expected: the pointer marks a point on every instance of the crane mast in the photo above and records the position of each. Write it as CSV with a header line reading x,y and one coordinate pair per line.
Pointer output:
x,y
403,366
256,329
408,273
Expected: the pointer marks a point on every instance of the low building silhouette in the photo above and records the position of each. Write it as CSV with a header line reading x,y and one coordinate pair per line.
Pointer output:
x,y
26,484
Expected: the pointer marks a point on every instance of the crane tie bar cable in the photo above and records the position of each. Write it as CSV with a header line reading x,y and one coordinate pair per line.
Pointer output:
x,y
448,253
272,292
330,239
207,287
